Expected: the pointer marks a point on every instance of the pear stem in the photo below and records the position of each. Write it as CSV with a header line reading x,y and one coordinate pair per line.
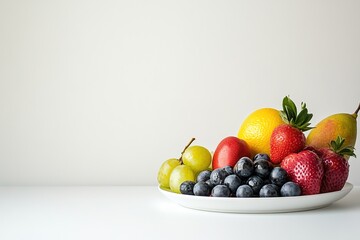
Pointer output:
x,y
180,159
357,110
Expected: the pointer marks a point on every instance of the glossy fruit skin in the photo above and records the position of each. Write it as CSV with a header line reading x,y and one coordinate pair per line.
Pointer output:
x,y
203,176
341,124
261,156
229,170
290,189
285,140
306,169
244,191
202,189
262,168
256,129
269,190
179,175
165,171
197,157
218,176
220,191
336,170
278,176
244,168
256,183
187,187
232,182
229,151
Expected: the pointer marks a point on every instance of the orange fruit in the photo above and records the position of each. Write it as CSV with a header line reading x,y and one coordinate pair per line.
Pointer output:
x,y
257,128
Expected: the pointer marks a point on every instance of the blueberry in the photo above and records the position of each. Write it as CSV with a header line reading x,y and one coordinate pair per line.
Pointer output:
x,y
290,189
262,168
208,182
220,191
187,187
261,156
203,176
232,182
269,190
244,168
218,176
278,176
229,170
256,183
244,191
202,189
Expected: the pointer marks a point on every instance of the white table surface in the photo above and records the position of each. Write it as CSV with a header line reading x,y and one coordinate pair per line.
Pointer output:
x,y
144,213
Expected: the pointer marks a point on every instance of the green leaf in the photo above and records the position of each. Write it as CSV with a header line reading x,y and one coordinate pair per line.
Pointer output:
x,y
340,141
290,115
347,152
303,105
337,146
284,117
305,127
309,117
292,105
289,108
333,145
301,118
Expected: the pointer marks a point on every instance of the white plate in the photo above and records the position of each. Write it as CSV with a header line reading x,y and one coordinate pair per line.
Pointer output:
x,y
258,205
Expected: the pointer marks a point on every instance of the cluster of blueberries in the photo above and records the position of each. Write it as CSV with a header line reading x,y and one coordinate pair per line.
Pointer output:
x,y
255,177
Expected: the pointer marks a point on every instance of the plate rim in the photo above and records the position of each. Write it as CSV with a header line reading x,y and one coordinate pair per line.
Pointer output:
x,y
234,205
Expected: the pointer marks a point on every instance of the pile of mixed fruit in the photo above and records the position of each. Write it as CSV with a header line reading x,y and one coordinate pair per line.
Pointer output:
x,y
270,157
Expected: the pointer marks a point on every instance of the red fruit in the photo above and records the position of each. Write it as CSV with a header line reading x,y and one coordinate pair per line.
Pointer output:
x,y
229,151
336,167
289,138
306,169
336,171
312,149
285,140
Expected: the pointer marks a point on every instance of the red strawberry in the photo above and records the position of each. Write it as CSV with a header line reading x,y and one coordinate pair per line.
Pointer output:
x,y
306,169
312,149
289,138
336,167
284,140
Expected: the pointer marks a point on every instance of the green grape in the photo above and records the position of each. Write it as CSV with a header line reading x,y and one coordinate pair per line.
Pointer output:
x,y
197,157
165,170
179,175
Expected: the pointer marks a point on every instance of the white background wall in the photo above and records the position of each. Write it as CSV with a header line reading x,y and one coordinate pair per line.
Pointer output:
x,y
102,92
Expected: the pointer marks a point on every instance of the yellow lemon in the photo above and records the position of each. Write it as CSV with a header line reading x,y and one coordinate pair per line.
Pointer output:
x,y
257,128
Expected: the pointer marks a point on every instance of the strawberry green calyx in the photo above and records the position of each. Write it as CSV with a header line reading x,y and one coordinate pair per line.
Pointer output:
x,y
290,115
337,147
